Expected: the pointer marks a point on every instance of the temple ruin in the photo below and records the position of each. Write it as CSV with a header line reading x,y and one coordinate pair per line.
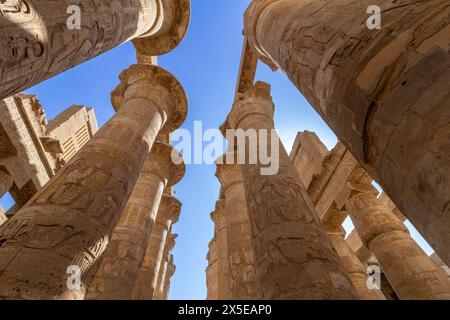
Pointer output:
x,y
95,208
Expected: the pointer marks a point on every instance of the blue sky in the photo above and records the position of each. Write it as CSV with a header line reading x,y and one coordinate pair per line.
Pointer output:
x,y
206,63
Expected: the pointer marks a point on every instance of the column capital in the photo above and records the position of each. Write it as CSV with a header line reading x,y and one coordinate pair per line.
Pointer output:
x,y
251,17
169,210
161,164
172,22
256,101
144,81
228,174
371,217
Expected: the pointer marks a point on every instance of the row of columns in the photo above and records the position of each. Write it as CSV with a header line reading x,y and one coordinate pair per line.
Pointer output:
x,y
384,92
70,221
43,38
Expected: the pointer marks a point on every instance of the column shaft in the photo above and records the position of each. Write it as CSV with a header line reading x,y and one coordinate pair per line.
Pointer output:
x,y
119,267
148,275
67,224
40,39
355,269
164,270
412,274
223,276
240,250
294,256
384,92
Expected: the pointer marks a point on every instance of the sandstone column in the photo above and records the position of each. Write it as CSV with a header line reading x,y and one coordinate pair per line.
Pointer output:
x,y
412,274
294,256
355,269
3,216
168,214
6,182
383,92
241,255
119,267
39,38
223,271
171,268
164,271
69,221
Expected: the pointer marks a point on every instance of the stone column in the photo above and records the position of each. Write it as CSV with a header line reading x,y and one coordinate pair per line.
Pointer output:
x,y
3,217
40,38
294,256
119,267
220,225
355,269
171,268
212,271
168,214
383,92
240,250
6,182
409,270
164,271
68,223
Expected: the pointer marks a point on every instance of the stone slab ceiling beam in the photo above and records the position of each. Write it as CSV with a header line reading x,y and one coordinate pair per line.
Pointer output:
x,y
68,223
40,39
168,215
385,93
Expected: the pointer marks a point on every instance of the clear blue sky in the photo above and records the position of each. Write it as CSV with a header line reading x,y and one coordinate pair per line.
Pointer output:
x,y
206,63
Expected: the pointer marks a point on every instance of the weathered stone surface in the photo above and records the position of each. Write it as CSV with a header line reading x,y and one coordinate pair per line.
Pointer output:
x,y
69,222
32,148
244,284
385,92
120,264
37,42
307,156
221,247
168,214
409,270
355,269
165,271
294,256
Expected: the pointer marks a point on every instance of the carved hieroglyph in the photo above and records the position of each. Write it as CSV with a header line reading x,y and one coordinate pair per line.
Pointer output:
x,y
119,267
244,284
168,214
37,43
69,222
294,256
412,274
385,92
